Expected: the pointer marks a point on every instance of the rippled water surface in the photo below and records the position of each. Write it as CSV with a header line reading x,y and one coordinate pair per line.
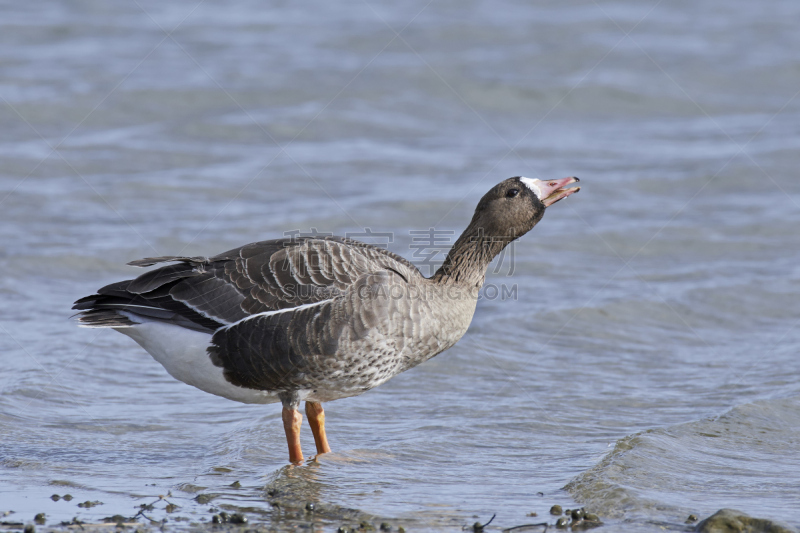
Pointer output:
x,y
647,368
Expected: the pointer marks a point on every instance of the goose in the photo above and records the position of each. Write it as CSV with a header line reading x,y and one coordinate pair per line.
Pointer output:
x,y
312,319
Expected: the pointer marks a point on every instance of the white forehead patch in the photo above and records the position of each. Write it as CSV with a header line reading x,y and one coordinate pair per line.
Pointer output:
x,y
533,184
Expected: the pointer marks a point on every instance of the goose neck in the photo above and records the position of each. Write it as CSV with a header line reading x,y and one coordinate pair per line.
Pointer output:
x,y
469,258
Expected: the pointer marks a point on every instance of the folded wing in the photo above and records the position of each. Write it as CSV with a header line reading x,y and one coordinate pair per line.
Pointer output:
x,y
206,294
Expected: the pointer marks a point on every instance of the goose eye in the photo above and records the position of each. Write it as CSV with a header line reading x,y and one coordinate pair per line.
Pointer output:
x,y
512,193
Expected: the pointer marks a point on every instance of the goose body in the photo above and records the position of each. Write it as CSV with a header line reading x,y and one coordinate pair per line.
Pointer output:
x,y
311,319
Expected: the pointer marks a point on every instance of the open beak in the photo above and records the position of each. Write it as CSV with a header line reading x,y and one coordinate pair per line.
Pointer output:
x,y
550,192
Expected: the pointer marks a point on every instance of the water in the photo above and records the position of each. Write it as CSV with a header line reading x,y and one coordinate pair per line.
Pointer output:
x,y
647,369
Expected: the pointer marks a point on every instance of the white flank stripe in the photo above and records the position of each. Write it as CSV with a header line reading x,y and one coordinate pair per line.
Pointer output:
x,y
200,311
133,307
279,311
91,326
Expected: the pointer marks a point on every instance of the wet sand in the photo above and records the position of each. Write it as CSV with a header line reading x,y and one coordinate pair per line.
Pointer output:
x,y
290,513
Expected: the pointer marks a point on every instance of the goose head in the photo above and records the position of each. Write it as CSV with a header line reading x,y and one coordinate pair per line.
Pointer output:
x,y
514,206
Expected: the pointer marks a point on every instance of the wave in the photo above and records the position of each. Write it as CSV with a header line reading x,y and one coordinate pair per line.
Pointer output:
x,y
745,459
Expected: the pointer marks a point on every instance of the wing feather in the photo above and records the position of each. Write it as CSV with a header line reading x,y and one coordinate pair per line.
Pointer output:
x,y
209,293
297,348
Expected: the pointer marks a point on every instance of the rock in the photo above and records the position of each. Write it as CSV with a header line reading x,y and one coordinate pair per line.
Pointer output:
x,y
237,518
562,522
40,518
87,504
30,529
733,521
203,499
556,510
580,525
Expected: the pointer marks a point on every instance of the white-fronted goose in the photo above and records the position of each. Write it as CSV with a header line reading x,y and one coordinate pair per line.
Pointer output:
x,y
312,319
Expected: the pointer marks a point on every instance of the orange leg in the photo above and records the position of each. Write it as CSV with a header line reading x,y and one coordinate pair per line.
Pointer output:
x,y
316,419
292,420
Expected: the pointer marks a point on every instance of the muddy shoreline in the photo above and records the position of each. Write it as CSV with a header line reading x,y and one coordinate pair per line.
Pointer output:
x,y
288,513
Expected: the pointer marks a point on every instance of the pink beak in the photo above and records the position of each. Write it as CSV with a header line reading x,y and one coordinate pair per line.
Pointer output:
x,y
550,192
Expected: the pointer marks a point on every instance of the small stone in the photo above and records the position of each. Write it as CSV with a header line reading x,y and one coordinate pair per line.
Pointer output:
x,y
733,520
592,517
88,505
171,508
477,527
224,517
577,514
343,529
401,529
55,497
386,526
203,499
533,514
237,518
555,510
310,506
235,485
68,497
30,529
692,518
39,518
562,522
216,519
366,526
